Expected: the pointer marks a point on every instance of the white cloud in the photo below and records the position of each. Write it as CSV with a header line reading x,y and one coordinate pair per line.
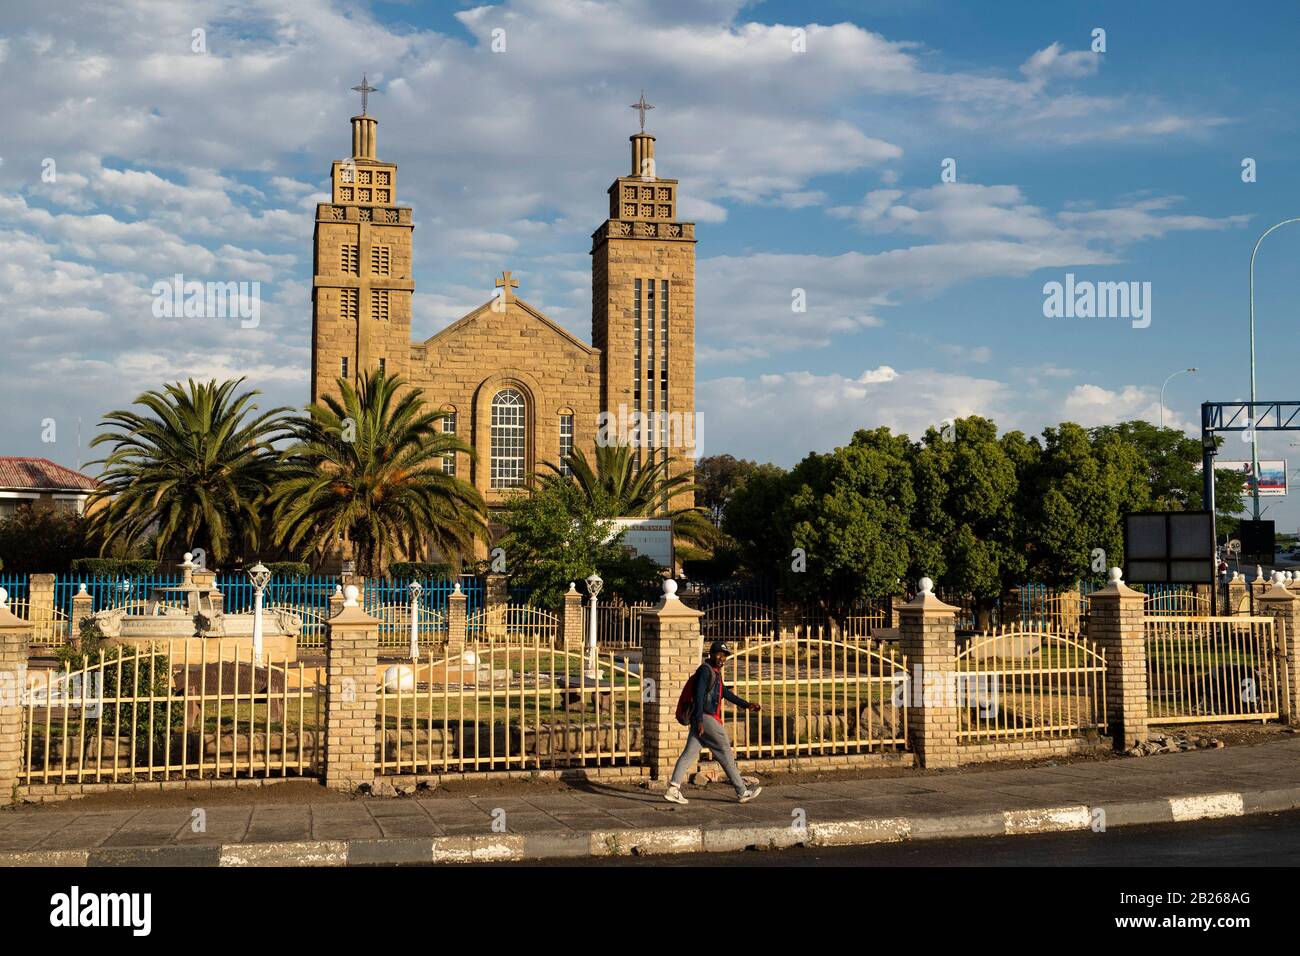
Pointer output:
x,y
1053,62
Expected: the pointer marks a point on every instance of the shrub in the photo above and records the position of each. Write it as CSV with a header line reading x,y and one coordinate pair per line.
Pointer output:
x,y
91,653
115,567
289,569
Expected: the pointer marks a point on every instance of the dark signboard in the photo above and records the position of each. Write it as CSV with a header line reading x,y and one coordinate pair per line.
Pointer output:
x,y
1257,541
1169,547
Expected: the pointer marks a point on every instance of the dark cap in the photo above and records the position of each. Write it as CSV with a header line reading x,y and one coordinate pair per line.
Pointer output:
x,y
719,646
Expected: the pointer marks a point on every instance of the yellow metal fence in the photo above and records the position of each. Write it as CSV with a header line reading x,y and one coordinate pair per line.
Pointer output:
x,y
1028,683
500,706
1211,668
520,624
49,624
738,619
175,710
819,695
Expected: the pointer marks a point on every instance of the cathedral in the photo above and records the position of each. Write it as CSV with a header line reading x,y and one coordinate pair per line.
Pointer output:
x,y
519,388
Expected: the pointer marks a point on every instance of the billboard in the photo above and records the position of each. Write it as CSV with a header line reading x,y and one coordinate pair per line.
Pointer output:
x,y
1272,475
1169,547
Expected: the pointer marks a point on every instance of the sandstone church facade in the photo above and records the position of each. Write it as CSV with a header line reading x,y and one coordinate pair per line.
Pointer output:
x,y
520,389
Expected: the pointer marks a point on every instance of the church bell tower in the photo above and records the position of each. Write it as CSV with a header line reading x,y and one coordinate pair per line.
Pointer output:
x,y
643,309
362,288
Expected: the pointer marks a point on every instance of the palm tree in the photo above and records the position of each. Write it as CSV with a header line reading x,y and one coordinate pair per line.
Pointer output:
x,y
617,486
366,468
195,467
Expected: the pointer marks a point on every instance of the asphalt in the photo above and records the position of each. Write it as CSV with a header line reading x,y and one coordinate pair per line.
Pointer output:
x,y
596,820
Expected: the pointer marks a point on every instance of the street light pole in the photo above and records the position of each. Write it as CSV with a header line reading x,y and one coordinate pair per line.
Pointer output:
x,y
1254,433
594,584
1162,391
259,576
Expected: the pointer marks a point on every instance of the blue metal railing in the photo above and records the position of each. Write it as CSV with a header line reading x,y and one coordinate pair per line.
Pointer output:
x,y
16,585
380,592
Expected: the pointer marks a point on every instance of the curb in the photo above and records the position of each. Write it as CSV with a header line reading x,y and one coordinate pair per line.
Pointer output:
x,y
654,841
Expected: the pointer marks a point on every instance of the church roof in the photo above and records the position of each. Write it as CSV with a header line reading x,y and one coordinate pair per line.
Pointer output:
x,y
537,314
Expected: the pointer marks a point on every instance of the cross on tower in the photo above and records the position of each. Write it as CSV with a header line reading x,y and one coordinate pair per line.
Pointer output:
x,y
365,89
641,106
506,284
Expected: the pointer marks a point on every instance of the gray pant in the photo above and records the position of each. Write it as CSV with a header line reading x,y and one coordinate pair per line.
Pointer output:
x,y
715,738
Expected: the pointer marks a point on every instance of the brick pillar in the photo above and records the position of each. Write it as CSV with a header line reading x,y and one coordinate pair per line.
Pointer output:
x,y
789,614
1117,627
672,649
15,634
928,637
456,604
1236,596
351,653
1284,608
83,607
336,600
496,591
572,619
40,604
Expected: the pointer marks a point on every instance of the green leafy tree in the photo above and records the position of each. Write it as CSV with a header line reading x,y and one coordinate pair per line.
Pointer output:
x,y
849,512
195,466
366,468
964,521
555,535
1174,469
755,520
37,540
718,478
1076,495
616,486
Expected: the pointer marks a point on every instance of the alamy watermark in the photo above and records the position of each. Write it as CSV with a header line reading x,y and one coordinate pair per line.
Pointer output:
x,y
175,298
679,430
1101,300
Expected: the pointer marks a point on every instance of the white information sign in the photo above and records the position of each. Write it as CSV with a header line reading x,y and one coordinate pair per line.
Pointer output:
x,y
650,537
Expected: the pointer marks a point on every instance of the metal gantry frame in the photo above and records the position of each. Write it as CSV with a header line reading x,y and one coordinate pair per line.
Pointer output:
x,y
1249,417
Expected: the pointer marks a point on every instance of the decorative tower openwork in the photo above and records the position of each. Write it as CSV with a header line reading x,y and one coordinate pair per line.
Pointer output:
x,y
643,308
362,289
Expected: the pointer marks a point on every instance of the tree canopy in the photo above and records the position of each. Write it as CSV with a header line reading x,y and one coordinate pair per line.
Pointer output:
x,y
977,512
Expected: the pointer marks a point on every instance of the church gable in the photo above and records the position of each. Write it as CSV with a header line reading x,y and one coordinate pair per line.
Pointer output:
x,y
506,321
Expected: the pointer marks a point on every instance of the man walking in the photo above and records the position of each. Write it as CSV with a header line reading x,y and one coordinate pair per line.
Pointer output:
x,y
707,729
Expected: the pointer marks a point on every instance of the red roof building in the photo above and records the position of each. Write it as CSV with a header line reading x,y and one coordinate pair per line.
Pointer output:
x,y
39,481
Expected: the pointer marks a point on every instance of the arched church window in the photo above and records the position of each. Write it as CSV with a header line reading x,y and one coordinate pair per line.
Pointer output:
x,y
509,438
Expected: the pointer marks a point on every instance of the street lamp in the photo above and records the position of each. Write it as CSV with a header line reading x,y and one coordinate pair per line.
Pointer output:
x,y
594,584
415,589
1162,391
1254,433
260,576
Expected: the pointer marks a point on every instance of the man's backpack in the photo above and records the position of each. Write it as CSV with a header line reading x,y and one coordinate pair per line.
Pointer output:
x,y
686,700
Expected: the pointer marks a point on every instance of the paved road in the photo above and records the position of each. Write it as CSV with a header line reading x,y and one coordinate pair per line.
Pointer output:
x,y
1271,839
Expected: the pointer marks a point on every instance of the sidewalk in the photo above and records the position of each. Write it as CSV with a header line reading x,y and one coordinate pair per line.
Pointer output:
x,y
595,819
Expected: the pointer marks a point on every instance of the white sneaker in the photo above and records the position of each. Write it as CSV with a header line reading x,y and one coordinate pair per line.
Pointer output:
x,y
674,794
750,794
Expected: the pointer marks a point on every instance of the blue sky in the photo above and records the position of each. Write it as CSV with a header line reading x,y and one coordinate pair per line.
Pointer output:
x,y
817,170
